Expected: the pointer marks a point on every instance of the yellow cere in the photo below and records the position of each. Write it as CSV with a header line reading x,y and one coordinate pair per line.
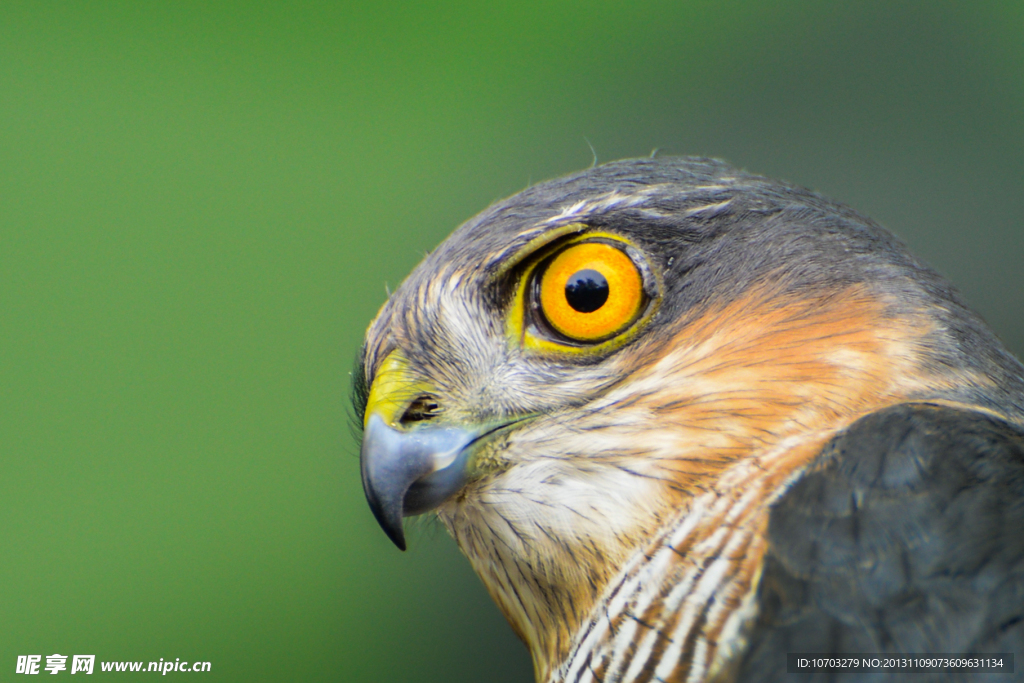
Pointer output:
x,y
624,292
393,389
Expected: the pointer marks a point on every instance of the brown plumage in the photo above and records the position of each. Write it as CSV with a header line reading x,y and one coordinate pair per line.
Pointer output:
x,y
620,497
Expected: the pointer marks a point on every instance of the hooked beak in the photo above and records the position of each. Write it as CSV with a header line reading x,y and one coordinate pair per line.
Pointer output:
x,y
411,472
408,469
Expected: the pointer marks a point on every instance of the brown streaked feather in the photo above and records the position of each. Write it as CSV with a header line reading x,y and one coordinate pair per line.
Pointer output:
x,y
751,393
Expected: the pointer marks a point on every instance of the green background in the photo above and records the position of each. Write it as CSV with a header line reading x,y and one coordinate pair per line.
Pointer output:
x,y
201,205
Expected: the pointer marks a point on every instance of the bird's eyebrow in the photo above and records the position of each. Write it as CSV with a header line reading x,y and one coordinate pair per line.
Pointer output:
x,y
711,209
524,244
570,218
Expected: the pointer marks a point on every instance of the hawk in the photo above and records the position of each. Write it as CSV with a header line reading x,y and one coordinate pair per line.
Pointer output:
x,y
684,420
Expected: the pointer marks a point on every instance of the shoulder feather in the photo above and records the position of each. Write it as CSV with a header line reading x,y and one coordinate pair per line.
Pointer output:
x,y
905,536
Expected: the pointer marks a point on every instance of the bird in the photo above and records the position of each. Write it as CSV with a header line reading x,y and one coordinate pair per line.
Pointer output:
x,y
686,421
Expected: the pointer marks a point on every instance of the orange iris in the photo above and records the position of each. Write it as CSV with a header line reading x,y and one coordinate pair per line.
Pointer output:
x,y
591,291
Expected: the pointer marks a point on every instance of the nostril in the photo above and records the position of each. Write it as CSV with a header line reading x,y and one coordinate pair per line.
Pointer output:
x,y
425,407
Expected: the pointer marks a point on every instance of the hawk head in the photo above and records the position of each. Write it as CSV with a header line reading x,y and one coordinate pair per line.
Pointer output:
x,y
646,348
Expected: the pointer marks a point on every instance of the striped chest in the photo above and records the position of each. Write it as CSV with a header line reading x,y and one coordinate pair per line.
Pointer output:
x,y
677,610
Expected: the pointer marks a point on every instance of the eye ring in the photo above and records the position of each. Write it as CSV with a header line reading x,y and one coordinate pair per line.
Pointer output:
x,y
589,292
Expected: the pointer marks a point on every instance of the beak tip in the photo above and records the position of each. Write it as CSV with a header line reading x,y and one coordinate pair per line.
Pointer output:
x,y
392,526
388,514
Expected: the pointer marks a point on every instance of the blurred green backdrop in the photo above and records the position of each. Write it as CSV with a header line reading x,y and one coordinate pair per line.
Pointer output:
x,y
201,204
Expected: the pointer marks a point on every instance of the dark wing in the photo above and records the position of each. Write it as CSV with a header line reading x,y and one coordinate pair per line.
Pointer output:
x,y
905,536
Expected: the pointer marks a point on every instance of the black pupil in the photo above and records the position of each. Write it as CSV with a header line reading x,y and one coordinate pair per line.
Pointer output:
x,y
586,291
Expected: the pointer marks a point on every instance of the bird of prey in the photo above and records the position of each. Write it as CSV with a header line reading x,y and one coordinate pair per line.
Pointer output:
x,y
684,420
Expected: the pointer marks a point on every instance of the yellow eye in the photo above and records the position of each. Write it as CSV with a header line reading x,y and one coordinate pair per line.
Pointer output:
x,y
591,291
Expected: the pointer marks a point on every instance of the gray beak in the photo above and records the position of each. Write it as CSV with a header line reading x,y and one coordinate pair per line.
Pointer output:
x,y
411,472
